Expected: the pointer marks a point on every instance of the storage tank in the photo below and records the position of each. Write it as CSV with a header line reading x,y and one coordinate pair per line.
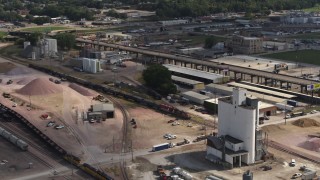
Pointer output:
x,y
33,55
25,44
22,145
13,139
6,134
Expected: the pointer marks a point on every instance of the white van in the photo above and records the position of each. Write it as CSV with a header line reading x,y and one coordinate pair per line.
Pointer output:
x,y
293,162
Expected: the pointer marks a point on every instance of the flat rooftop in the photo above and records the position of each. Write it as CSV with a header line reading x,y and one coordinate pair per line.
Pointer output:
x,y
195,95
261,90
185,80
192,72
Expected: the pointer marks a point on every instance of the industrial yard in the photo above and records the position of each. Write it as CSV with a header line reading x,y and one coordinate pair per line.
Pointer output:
x,y
181,99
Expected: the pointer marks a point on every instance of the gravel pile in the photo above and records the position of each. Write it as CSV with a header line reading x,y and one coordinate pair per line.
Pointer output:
x,y
306,122
83,91
40,86
24,81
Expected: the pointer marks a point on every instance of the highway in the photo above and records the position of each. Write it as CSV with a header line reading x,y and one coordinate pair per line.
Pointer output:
x,y
233,68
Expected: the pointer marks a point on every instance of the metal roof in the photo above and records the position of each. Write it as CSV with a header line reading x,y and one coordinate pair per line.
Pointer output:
x,y
185,80
261,90
102,107
267,97
192,72
218,86
195,95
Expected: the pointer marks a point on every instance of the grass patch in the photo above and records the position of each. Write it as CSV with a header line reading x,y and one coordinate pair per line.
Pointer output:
x,y
198,39
307,36
316,8
44,29
10,50
303,56
2,34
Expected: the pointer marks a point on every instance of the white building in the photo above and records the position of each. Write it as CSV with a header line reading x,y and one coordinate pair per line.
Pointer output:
x,y
90,65
48,47
239,139
173,22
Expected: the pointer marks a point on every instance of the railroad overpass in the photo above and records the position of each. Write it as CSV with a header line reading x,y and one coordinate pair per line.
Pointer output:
x,y
208,65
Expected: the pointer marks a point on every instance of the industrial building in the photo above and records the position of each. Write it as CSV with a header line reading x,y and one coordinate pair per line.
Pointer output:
x,y
117,36
262,91
195,97
101,111
227,91
246,45
239,138
86,64
174,22
48,47
206,77
188,82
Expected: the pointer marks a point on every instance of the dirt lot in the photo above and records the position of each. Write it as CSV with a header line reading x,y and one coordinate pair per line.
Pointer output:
x,y
80,138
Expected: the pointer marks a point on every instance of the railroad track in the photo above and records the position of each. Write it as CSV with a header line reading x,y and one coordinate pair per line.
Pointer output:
x,y
124,138
288,150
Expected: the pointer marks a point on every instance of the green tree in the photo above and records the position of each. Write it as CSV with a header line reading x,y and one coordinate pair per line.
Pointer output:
x,y
209,42
66,40
158,77
34,38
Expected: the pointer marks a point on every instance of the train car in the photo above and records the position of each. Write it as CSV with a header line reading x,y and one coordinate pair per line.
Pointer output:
x,y
72,159
6,134
13,139
22,145
95,172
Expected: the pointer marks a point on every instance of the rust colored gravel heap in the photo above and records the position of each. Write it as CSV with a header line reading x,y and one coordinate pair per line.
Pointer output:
x,y
306,122
40,86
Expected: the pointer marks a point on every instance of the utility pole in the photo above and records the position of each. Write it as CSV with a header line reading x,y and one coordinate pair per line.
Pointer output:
x,y
113,144
131,150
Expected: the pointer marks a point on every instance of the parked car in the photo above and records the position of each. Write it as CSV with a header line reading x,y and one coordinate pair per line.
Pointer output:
x,y
175,123
293,163
59,126
172,137
288,116
166,135
14,105
50,123
296,175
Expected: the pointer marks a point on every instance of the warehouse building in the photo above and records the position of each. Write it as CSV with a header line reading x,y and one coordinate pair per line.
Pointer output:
x,y
239,139
101,111
246,45
195,97
262,91
227,91
206,77
188,82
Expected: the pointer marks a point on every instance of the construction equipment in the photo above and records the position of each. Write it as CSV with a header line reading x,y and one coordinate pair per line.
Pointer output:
x,y
6,95
9,82
100,98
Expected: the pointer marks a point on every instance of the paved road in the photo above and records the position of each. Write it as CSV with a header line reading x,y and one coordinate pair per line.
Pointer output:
x,y
238,69
266,123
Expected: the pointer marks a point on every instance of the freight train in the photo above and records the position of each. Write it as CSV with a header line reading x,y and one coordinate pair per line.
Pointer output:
x,y
112,91
13,139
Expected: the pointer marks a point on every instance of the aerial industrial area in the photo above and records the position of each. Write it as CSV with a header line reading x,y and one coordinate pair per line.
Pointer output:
x,y
131,90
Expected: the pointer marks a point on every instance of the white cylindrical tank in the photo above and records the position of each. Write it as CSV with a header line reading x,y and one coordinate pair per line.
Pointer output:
x,y
33,55
25,44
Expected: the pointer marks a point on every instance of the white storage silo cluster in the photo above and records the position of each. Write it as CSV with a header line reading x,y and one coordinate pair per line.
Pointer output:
x,y
90,65
48,47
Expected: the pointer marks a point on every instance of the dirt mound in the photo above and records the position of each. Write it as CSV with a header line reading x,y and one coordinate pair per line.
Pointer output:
x,y
6,66
306,122
312,144
40,86
25,80
81,90
18,71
